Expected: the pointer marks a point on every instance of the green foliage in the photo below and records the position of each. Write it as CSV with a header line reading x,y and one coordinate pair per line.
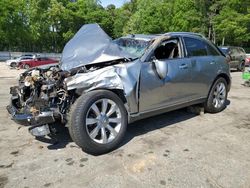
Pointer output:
x,y
233,22
46,25
186,16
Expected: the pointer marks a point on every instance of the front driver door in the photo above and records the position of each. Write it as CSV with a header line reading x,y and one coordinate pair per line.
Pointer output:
x,y
157,93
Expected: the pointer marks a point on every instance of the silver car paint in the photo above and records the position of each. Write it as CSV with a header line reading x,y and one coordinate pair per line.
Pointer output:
x,y
122,76
187,79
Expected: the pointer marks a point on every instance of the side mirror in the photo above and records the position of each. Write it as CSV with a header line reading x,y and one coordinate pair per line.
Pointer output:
x,y
161,68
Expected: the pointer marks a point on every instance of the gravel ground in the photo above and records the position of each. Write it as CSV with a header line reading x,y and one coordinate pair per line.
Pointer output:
x,y
176,149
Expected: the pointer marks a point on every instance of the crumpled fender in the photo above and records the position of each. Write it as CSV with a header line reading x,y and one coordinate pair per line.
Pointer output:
x,y
122,76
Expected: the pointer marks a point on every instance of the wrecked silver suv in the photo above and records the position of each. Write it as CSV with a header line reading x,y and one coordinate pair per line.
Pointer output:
x,y
103,84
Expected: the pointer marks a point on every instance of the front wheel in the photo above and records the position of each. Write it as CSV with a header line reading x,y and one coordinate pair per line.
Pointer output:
x,y
98,122
217,97
13,64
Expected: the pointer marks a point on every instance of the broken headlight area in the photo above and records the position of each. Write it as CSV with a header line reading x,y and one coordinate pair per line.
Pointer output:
x,y
41,98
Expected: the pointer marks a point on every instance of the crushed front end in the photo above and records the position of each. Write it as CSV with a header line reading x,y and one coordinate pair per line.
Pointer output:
x,y
41,98
91,60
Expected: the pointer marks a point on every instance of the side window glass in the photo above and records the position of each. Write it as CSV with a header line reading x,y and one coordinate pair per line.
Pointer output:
x,y
211,50
167,50
195,47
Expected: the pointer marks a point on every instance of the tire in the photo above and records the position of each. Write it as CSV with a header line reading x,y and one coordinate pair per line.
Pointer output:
x,y
26,66
13,64
84,109
221,97
241,66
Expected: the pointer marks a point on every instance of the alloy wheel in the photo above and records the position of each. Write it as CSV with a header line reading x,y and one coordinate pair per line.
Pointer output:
x,y
219,95
103,121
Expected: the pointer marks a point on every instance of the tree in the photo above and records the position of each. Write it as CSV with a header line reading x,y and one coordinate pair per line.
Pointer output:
x,y
232,23
150,17
186,17
46,25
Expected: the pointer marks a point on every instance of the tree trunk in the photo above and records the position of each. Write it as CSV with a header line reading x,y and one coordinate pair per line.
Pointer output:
x,y
223,41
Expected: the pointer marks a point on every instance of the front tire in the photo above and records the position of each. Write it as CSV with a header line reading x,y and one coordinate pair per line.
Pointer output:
x,y
13,64
98,122
217,97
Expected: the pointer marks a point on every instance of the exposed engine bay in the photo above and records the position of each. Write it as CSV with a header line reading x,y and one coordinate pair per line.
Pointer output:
x,y
41,90
40,99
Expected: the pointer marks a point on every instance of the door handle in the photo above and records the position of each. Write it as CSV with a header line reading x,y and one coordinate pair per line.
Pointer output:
x,y
183,66
212,62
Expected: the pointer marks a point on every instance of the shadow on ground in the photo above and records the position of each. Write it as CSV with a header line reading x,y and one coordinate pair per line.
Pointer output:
x,y
61,139
157,122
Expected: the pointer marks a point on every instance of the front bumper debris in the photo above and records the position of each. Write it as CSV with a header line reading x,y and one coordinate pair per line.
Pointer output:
x,y
39,131
30,120
39,123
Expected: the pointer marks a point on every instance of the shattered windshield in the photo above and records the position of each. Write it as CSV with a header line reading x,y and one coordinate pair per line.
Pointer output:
x,y
135,47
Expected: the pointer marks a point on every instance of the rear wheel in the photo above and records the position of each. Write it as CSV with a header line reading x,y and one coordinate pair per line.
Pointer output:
x,y
98,122
217,97
241,66
26,66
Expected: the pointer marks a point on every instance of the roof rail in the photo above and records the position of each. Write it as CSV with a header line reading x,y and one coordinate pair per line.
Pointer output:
x,y
185,33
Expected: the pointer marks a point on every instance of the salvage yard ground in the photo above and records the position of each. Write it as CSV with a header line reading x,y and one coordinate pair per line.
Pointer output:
x,y
176,149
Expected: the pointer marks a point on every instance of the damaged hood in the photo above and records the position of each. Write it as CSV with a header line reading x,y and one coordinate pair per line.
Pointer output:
x,y
90,45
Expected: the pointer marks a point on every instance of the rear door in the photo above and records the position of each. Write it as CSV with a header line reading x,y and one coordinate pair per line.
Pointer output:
x,y
234,53
242,54
204,57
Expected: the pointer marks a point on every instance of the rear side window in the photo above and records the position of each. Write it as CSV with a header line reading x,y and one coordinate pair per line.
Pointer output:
x,y
196,47
212,50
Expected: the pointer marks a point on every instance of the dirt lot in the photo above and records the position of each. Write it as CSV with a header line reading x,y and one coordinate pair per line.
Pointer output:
x,y
176,149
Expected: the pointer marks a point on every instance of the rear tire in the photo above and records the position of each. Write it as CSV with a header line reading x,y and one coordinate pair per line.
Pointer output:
x,y
92,124
241,66
26,66
217,97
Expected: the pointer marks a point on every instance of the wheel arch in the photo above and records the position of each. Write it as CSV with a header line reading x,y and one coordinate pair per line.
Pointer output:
x,y
226,77
119,92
